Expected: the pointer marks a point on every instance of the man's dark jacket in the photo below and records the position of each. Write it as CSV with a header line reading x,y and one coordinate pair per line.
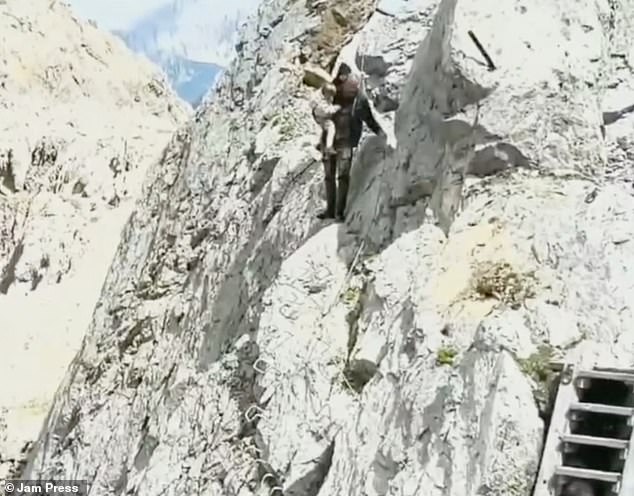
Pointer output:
x,y
355,110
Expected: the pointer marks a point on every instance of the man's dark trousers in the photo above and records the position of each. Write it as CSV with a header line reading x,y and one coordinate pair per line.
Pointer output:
x,y
337,179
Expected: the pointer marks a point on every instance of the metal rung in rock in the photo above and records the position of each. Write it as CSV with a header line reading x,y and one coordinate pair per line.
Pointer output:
x,y
599,408
608,376
605,442
586,473
583,383
559,440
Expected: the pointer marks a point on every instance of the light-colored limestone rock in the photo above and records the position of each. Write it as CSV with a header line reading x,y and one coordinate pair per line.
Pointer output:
x,y
81,120
315,76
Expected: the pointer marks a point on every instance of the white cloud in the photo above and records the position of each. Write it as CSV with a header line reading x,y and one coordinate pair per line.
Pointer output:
x,y
122,14
199,30
115,14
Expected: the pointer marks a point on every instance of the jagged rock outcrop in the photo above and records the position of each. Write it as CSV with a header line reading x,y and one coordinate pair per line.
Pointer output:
x,y
242,347
81,120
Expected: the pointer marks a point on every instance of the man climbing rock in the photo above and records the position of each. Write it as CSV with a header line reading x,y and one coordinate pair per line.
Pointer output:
x,y
354,111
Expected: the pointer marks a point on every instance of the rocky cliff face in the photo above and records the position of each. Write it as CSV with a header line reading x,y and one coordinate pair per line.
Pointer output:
x,y
242,347
81,120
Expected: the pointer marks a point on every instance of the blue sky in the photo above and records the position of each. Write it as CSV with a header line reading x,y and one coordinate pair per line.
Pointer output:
x,y
115,14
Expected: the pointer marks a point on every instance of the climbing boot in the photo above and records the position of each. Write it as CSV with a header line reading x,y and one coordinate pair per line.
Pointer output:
x,y
331,195
325,214
342,195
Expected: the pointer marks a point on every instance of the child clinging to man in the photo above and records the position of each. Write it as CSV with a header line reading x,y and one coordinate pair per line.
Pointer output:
x,y
323,112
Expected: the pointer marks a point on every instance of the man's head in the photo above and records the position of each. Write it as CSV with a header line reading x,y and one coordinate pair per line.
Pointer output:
x,y
343,72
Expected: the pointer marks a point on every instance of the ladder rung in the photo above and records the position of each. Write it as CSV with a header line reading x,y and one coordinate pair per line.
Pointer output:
x,y
605,442
610,369
556,366
586,473
600,408
609,376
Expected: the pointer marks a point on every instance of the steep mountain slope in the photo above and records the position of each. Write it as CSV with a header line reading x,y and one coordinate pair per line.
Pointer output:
x,y
81,120
241,345
192,40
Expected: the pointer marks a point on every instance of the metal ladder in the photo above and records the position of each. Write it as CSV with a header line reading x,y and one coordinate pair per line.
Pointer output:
x,y
553,472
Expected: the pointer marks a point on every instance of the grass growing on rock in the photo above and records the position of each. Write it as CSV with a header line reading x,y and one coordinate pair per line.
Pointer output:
x,y
537,367
446,355
501,281
351,296
354,378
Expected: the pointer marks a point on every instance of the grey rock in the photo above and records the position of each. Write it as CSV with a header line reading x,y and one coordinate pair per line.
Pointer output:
x,y
315,76
81,121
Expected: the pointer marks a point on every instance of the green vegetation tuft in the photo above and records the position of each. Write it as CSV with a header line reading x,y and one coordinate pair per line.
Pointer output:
x,y
351,296
537,365
446,356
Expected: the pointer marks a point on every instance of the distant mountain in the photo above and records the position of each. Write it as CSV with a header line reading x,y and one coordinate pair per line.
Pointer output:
x,y
189,78
192,40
